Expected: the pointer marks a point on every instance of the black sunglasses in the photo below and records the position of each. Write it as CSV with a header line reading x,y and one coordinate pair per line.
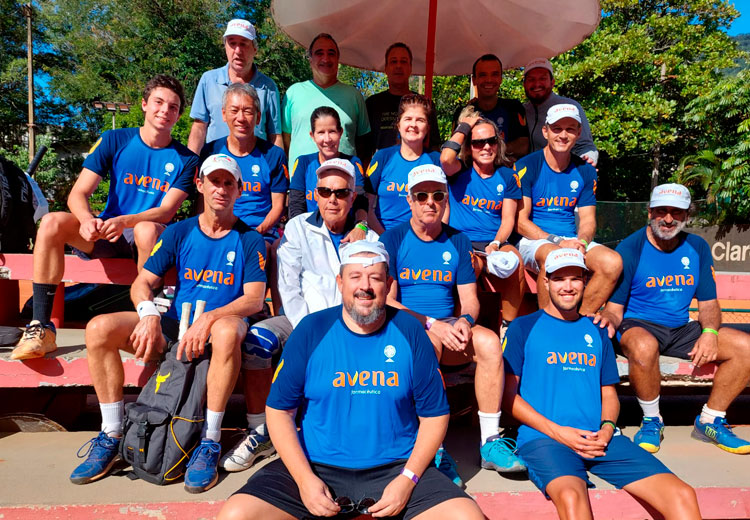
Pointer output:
x,y
341,193
479,143
347,505
422,196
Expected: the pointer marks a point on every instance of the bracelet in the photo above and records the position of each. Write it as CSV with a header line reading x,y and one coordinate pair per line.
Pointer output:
x,y
451,145
499,244
612,424
554,238
463,128
362,225
410,475
712,331
585,243
468,318
147,308
428,323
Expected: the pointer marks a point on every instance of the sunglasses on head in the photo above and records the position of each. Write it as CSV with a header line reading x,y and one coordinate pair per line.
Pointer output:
x,y
479,143
347,505
341,193
422,196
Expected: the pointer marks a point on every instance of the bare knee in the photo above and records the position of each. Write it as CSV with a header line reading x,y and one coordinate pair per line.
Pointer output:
x,y
226,335
238,507
56,227
642,351
487,348
146,234
571,498
99,331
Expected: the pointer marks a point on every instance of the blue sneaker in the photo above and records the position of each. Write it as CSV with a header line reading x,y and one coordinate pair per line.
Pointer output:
x,y
447,466
721,434
499,453
203,469
650,435
101,454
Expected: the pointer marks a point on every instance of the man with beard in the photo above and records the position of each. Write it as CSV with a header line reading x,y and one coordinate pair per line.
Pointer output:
x,y
664,268
373,406
560,379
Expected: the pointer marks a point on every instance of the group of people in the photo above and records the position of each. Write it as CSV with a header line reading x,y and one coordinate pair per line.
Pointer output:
x,y
374,280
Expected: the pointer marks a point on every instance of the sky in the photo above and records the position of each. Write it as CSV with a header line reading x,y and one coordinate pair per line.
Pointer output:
x,y
742,24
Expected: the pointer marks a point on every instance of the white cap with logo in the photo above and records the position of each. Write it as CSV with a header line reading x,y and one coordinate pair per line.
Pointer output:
x,y
564,257
538,63
426,173
239,27
674,195
557,112
221,161
341,165
349,251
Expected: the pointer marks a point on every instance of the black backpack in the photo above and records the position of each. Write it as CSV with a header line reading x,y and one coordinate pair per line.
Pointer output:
x,y
163,426
17,226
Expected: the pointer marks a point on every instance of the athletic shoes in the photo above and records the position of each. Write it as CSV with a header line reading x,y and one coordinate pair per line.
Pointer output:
x,y
500,454
721,434
650,435
37,340
102,454
447,466
202,470
251,447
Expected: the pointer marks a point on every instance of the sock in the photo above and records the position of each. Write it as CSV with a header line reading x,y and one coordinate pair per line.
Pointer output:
x,y
650,408
257,422
489,424
113,415
44,297
708,415
212,426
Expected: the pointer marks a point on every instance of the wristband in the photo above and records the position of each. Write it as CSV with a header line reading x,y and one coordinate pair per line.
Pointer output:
x,y
499,244
362,225
428,323
585,243
554,238
463,128
612,424
147,308
712,331
468,318
410,475
451,145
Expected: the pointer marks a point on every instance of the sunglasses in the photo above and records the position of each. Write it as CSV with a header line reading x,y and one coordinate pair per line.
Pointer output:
x,y
422,196
347,505
479,143
340,194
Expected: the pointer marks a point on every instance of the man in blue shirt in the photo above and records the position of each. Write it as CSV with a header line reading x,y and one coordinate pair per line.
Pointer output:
x,y
372,406
240,45
219,260
150,175
664,269
559,384
557,184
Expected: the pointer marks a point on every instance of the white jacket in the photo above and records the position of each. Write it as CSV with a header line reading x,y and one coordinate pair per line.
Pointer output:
x,y
308,264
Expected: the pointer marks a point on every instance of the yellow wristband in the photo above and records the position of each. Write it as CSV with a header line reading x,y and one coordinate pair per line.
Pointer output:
x,y
712,331
584,242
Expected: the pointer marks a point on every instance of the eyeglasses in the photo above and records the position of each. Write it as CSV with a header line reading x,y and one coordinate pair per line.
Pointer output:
x,y
340,194
363,506
479,143
422,196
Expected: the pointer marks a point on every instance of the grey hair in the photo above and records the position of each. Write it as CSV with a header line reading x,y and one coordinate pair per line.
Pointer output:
x,y
241,88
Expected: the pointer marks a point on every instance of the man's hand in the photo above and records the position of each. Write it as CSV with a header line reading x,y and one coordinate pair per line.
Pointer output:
x,y
585,443
395,496
193,343
451,337
317,497
471,120
573,243
354,235
705,350
464,329
603,435
147,338
604,321
90,230
112,229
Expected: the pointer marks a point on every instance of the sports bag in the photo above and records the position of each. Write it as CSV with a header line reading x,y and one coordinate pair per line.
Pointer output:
x,y
17,226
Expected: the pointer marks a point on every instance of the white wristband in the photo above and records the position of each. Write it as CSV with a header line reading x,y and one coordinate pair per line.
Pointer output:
x,y
410,475
147,308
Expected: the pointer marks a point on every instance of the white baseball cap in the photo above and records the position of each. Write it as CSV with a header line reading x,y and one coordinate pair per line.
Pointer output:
x,y
564,257
240,27
341,165
349,251
426,173
675,195
557,112
221,161
538,63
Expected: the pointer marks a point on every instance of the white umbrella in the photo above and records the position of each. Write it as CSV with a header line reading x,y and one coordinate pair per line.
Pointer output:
x,y
445,36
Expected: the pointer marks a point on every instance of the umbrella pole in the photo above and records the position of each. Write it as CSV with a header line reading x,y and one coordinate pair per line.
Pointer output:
x,y
430,55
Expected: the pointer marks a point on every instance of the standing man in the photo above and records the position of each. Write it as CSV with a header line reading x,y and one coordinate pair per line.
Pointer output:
x,y
664,269
538,82
560,379
507,114
382,108
150,175
374,407
240,45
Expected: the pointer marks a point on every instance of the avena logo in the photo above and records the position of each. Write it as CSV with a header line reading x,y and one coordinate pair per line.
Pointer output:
x,y
556,201
481,203
425,275
571,358
677,280
397,186
145,181
208,275
365,378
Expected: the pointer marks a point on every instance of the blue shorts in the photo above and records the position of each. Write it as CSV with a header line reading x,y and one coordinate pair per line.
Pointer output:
x,y
622,464
123,247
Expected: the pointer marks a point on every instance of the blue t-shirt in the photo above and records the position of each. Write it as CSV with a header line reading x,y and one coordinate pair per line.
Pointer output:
x,y
658,287
477,203
562,366
305,179
263,172
428,272
139,176
388,177
209,269
555,195
359,396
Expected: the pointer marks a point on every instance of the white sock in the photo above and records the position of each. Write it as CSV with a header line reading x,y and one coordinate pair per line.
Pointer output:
x,y
650,408
708,415
212,428
113,415
257,422
489,425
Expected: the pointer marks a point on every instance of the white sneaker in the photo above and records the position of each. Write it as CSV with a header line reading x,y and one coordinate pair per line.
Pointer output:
x,y
252,447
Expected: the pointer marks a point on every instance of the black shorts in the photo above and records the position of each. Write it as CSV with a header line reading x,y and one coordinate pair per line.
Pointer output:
x,y
123,247
273,484
675,342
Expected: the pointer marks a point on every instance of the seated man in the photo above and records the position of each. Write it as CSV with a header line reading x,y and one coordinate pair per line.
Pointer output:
x,y
555,183
559,384
197,244
432,260
664,269
308,261
355,395
150,175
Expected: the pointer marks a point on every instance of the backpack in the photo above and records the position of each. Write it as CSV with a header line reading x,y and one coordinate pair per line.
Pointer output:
x,y
17,226
163,426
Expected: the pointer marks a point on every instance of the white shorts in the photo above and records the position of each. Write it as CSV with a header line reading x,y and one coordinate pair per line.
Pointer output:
x,y
528,249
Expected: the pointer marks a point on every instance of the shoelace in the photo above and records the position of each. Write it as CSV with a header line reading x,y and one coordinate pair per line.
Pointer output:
x,y
34,331
723,423
197,460
503,444
651,427
100,441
